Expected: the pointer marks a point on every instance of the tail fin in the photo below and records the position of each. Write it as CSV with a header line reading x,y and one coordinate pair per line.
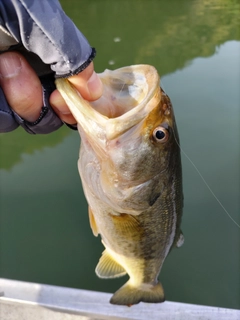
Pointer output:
x,y
129,294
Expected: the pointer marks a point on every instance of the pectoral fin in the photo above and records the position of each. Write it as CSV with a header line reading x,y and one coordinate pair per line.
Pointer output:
x,y
108,268
127,225
92,222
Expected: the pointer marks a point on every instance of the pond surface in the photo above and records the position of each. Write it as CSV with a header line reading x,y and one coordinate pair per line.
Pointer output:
x,y
195,45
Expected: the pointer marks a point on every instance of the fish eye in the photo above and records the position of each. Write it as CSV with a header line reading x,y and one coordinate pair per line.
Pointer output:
x,y
160,134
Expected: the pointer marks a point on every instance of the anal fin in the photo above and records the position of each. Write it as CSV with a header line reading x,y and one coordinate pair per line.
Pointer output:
x,y
108,268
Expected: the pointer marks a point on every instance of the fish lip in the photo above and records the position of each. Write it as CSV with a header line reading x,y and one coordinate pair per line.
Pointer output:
x,y
110,128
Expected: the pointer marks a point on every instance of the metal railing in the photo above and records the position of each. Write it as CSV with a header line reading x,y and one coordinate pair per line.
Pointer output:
x,y
32,301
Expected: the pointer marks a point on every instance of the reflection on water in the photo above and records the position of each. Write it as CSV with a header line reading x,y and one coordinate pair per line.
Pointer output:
x,y
166,34
45,235
16,143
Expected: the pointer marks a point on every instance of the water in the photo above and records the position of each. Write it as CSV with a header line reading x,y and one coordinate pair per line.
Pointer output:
x,y
195,45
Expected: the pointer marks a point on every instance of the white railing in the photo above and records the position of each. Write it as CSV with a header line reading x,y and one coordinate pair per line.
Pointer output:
x,y
31,301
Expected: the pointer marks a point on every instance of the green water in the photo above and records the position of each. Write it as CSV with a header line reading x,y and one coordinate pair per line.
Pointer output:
x,y
195,45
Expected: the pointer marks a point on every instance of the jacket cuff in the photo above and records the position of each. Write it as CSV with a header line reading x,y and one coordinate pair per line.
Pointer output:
x,y
79,69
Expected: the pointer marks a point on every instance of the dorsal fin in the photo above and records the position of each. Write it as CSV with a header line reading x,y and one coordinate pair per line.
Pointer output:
x,y
180,240
92,222
108,268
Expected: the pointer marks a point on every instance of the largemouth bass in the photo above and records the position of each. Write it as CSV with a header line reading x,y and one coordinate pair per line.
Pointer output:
x,y
130,168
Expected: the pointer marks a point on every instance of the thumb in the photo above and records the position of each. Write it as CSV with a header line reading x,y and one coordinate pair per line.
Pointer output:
x,y
89,86
21,85
88,83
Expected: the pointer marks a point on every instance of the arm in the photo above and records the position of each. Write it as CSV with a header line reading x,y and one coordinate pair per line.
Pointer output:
x,y
51,43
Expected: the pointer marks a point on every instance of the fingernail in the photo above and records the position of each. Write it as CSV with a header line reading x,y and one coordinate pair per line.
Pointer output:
x,y
10,66
95,86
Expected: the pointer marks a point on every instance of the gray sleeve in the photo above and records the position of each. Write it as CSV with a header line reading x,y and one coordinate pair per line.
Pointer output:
x,y
52,44
43,28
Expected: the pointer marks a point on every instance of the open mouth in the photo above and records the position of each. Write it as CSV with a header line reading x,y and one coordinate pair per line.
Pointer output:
x,y
127,98
122,93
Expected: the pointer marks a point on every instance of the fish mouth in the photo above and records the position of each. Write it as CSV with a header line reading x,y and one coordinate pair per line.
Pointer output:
x,y
129,94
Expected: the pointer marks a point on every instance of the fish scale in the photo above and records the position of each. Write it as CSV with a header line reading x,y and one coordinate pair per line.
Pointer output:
x,y
130,167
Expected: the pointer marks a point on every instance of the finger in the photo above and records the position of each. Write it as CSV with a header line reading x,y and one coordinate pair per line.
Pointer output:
x,y
88,83
60,107
21,86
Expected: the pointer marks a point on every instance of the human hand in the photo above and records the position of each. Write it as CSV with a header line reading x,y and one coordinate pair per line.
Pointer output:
x,y
89,86
38,42
23,89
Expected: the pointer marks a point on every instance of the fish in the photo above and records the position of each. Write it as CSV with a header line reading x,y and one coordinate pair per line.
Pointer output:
x,y
130,168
